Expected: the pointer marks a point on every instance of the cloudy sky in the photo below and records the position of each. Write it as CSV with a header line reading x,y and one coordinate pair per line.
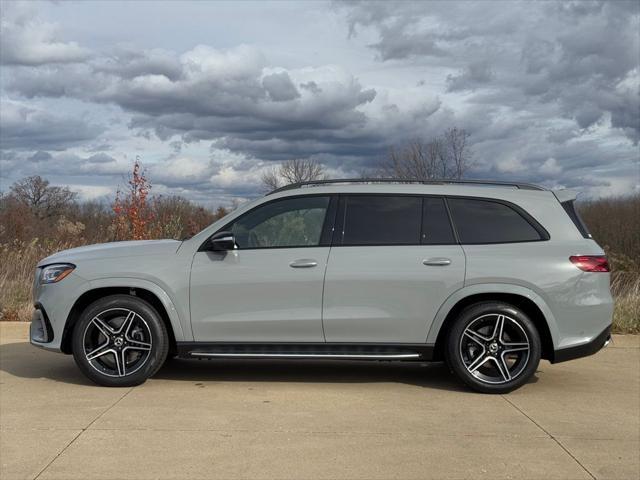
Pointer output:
x,y
210,94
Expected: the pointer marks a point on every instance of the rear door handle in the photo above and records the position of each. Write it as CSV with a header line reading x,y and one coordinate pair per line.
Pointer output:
x,y
303,263
437,262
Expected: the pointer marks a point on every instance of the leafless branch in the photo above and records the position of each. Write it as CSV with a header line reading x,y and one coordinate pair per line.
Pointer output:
x,y
293,171
447,156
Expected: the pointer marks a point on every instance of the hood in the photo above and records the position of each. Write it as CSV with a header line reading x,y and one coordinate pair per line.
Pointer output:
x,y
113,250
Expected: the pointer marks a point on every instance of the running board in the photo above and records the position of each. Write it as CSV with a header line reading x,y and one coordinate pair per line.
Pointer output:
x,y
309,351
337,356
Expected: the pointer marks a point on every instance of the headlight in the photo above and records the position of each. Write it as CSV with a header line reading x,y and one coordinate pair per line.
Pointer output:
x,y
55,273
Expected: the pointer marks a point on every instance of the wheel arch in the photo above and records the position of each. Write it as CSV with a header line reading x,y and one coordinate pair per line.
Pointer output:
x,y
520,297
172,324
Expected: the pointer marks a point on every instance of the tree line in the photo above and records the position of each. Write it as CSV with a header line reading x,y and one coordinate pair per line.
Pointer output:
x,y
447,156
35,209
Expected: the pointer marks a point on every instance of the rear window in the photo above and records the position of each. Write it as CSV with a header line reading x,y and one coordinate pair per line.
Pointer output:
x,y
382,220
486,221
570,208
436,227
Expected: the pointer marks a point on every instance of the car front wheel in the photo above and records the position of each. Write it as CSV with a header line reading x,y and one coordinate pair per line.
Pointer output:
x,y
493,347
120,341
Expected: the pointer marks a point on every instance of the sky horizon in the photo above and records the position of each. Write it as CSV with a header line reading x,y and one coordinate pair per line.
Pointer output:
x,y
211,94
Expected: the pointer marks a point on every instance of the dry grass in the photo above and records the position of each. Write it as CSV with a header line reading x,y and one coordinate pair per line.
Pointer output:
x,y
625,287
18,261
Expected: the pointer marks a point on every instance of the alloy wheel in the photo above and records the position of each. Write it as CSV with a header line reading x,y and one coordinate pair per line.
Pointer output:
x,y
117,342
494,348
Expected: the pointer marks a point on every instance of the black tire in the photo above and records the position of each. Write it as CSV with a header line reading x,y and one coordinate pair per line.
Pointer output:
x,y
488,361
120,341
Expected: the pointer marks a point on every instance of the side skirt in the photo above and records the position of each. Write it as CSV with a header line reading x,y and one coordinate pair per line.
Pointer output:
x,y
312,351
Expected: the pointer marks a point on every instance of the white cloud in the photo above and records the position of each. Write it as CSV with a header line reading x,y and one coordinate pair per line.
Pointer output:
x,y
28,40
550,167
510,165
93,192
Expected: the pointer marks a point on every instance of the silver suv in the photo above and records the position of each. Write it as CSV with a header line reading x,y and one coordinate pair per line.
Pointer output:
x,y
489,277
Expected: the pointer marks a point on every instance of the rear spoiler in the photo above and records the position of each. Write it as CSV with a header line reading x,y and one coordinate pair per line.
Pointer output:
x,y
566,199
565,195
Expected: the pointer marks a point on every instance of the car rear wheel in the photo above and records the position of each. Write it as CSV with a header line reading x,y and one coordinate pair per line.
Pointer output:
x,y
493,347
120,341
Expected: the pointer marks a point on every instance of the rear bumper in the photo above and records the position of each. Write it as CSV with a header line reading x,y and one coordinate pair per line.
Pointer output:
x,y
584,350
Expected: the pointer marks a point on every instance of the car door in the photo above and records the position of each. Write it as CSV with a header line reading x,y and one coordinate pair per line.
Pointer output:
x,y
394,262
268,289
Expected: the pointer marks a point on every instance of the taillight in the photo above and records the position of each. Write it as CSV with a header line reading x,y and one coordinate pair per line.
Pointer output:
x,y
590,263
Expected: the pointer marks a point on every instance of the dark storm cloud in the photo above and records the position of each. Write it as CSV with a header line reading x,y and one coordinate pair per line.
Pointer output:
x,y
26,128
280,87
100,158
210,94
54,81
131,63
396,45
582,56
311,86
474,75
40,156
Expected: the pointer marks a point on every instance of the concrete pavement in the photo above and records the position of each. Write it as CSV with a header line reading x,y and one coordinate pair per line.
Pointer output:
x,y
248,419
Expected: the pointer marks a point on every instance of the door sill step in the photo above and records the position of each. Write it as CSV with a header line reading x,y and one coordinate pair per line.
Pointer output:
x,y
309,351
336,356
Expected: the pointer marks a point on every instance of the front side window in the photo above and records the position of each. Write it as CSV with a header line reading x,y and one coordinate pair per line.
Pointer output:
x,y
485,221
381,220
291,222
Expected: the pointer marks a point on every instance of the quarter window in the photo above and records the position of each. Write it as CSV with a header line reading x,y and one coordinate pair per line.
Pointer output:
x,y
381,220
291,222
484,221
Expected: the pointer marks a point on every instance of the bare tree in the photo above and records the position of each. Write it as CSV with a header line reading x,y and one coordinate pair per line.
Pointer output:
x,y
417,160
458,152
271,178
293,171
43,200
446,156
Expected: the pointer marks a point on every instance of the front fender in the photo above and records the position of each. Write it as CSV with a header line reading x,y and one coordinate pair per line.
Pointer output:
x,y
179,323
484,288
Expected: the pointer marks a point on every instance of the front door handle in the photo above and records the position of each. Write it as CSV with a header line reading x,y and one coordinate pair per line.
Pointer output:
x,y
437,262
303,263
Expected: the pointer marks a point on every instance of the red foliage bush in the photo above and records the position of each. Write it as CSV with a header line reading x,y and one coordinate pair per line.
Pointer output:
x,y
133,216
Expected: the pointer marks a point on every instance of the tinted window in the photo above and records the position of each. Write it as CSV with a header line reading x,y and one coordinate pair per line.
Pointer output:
x,y
292,222
382,220
570,208
481,221
436,228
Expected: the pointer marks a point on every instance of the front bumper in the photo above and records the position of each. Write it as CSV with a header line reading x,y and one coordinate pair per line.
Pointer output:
x,y
40,330
584,350
53,304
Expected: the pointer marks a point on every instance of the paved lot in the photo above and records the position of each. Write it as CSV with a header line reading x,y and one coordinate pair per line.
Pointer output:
x,y
235,419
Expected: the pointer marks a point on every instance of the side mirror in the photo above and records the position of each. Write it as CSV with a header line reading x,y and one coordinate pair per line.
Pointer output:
x,y
222,241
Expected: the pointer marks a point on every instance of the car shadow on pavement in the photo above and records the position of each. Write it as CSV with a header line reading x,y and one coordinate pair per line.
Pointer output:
x,y
428,375
25,361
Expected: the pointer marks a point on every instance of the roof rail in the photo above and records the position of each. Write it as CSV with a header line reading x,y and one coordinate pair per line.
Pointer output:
x,y
311,183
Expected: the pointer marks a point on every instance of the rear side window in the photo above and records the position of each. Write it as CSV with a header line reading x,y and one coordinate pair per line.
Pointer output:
x,y
485,221
381,220
570,208
436,227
